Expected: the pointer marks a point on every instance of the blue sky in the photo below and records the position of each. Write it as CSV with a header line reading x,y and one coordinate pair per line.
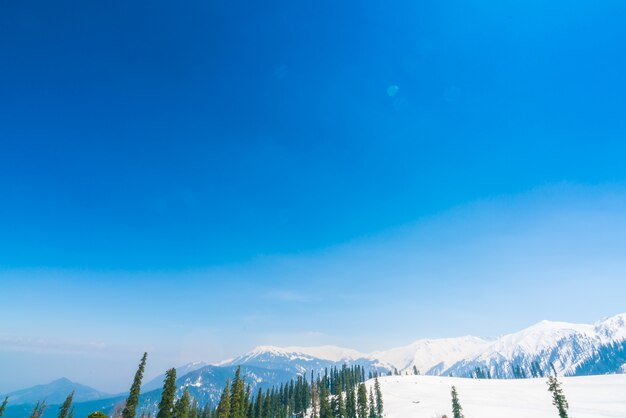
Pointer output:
x,y
198,178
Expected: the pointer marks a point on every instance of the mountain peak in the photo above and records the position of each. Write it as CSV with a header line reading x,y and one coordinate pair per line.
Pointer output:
x,y
55,392
61,380
323,352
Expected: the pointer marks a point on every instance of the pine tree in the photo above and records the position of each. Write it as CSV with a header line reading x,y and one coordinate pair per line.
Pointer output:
x,y
181,408
194,412
351,403
65,408
415,372
338,405
325,409
258,404
223,409
237,397
361,402
267,405
456,406
314,397
379,398
166,406
130,409
3,407
38,410
372,413
558,398
248,401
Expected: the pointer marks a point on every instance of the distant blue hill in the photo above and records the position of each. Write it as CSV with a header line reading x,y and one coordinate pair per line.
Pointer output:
x,y
55,392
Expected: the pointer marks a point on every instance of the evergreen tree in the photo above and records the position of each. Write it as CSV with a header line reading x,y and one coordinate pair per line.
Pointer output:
x,y
267,405
248,402
338,405
314,398
71,415
65,408
223,408
258,404
237,397
194,412
38,410
456,406
558,398
415,372
351,403
133,397
97,414
325,409
379,398
361,401
166,406
372,413
3,407
181,408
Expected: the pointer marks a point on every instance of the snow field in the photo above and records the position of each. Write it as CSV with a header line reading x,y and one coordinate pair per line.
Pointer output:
x,y
429,396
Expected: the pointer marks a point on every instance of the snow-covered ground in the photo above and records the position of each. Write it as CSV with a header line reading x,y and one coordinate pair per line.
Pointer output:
x,y
429,397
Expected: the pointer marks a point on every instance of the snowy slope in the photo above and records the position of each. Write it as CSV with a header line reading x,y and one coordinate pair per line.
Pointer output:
x,y
431,356
560,344
157,382
429,396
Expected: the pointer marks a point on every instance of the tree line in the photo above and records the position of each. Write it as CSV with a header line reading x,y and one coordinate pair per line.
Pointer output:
x,y
335,393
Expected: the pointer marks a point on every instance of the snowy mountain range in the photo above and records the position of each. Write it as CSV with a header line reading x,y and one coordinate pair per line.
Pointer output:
x,y
535,350
568,349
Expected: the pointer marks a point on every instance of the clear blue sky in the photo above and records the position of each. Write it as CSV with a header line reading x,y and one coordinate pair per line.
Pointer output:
x,y
198,177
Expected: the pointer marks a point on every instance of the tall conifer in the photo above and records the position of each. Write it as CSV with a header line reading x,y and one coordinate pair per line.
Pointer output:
x,y
3,407
351,403
456,405
181,408
258,404
361,401
64,409
325,409
237,397
558,398
372,413
223,409
379,397
38,410
130,409
166,406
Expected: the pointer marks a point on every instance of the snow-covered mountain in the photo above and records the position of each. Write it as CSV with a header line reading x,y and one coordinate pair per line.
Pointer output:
x,y
431,356
325,352
157,382
303,360
535,350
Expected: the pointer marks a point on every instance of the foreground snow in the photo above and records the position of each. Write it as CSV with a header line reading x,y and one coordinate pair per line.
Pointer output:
x,y
429,397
